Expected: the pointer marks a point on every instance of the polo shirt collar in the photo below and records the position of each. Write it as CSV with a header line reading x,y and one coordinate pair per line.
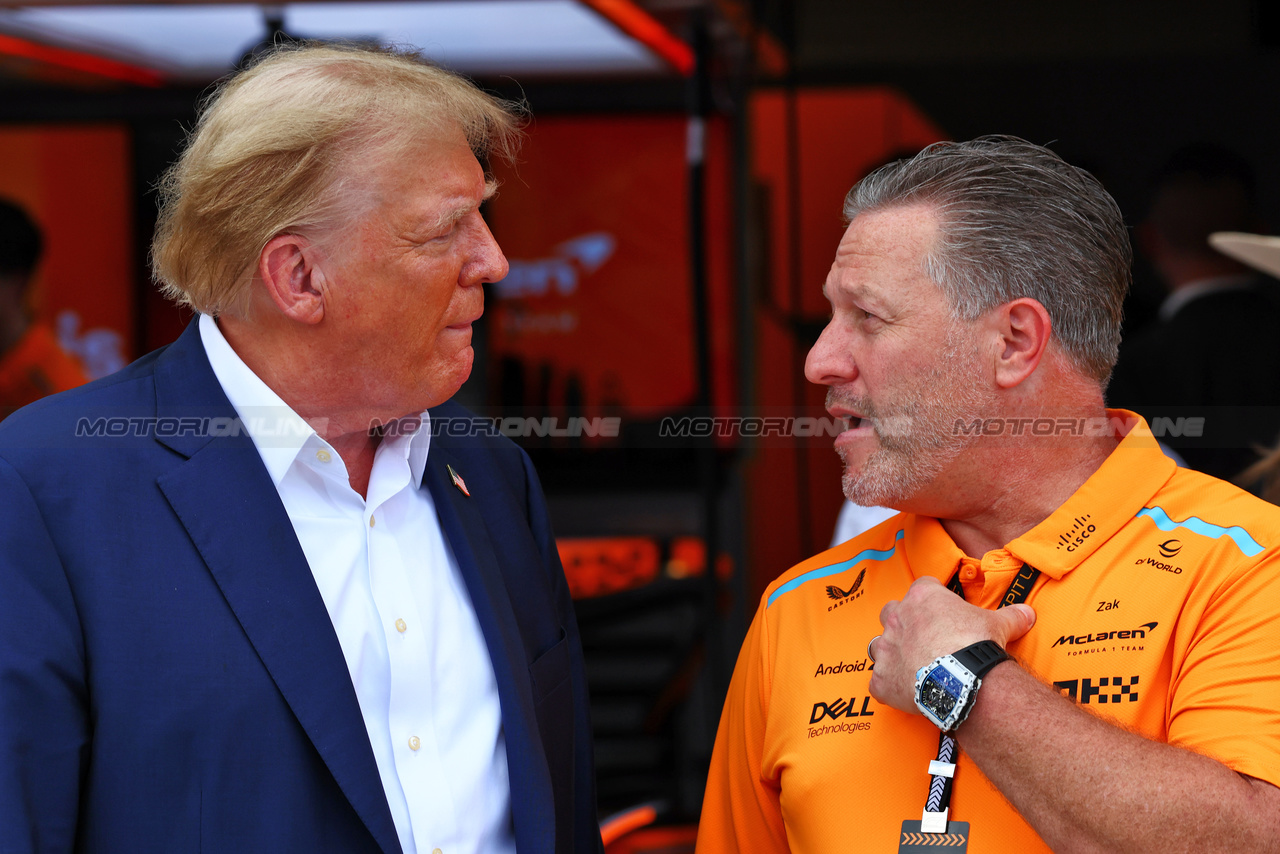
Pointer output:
x,y
1109,499
1105,503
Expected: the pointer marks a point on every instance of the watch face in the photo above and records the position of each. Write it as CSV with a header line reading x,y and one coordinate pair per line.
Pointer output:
x,y
940,691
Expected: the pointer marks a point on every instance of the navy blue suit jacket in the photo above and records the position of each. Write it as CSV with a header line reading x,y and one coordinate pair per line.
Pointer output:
x,y
169,677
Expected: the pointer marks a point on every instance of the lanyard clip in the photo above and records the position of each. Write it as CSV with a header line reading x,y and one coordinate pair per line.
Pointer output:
x,y
934,822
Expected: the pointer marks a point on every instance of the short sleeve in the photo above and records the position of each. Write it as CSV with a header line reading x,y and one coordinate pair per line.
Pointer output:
x,y
1225,697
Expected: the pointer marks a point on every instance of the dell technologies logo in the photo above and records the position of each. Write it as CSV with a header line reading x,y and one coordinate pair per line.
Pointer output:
x,y
840,712
840,709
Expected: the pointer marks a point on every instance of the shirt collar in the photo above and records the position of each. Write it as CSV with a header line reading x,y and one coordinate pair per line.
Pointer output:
x,y
1103,504
410,438
279,433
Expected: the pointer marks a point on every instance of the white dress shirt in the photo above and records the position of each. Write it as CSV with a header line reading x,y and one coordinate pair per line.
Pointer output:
x,y
854,519
403,616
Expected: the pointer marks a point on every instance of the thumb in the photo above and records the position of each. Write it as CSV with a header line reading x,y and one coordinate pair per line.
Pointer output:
x,y
1015,621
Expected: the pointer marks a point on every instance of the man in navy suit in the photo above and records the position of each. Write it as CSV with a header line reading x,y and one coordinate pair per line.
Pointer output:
x,y
267,589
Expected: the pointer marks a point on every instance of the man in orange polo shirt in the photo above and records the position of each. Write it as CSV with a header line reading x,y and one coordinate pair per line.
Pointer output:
x,y
32,364
1064,643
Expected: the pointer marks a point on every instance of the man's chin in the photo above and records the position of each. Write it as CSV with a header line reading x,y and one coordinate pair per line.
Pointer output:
x,y
446,375
882,480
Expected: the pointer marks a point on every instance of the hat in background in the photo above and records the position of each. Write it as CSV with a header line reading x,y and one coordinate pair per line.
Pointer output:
x,y
1259,251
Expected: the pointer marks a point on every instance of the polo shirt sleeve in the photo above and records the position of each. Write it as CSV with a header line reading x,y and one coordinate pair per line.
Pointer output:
x,y
741,810
1225,696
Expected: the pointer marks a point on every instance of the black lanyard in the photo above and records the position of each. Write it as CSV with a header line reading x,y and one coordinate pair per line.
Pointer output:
x,y
940,784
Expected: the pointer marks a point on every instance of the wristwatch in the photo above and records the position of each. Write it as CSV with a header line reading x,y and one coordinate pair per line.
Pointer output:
x,y
947,687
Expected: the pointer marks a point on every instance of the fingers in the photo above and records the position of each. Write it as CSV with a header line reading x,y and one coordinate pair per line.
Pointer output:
x,y
1013,621
927,622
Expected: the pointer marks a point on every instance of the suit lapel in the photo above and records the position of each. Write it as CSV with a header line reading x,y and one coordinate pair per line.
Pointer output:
x,y
229,506
464,527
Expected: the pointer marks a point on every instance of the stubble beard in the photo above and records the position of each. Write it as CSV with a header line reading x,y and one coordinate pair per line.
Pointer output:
x,y
916,438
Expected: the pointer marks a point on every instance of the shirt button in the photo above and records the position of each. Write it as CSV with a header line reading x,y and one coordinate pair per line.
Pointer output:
x,y
436,851
414,743
324,456
969,573
401,625
371,521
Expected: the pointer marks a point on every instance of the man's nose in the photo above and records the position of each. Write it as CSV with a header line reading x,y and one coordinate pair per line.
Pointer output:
x,y
829,361
488,262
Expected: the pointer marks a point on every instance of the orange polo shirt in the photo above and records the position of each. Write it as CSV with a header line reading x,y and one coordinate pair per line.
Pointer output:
x,y
1158,607
34,368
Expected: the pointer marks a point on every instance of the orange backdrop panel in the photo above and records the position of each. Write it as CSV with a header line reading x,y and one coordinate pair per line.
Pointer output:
x,y
594,222
74,181
840,134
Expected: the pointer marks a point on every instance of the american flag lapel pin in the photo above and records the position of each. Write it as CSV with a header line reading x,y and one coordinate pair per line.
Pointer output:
x,y
457,480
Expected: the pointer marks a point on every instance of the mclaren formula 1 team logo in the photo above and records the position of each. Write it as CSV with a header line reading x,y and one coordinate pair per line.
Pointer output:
x,y
843,597
1122,640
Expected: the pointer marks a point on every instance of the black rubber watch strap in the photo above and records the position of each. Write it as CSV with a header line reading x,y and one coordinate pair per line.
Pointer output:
x,y
981,656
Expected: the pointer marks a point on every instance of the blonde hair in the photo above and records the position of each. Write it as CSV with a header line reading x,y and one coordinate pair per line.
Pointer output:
x,y
273,150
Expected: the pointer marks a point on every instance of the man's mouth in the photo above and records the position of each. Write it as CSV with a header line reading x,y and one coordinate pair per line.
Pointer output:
x,y
464,324
852,415
852,422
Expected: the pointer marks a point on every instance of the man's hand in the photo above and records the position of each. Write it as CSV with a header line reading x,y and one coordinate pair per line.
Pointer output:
x,y
931,621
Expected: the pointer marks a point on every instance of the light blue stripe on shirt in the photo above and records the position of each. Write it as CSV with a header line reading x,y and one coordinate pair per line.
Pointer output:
x,y
835,568
1196,525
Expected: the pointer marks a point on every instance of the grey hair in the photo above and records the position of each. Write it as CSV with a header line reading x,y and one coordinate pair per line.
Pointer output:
x,y
1017,221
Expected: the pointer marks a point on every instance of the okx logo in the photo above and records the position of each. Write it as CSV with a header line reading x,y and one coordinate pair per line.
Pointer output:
x,y
840,709
1107,689
843,597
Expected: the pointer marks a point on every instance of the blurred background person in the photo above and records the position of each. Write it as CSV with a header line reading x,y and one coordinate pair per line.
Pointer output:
x,y
1212,351
32,364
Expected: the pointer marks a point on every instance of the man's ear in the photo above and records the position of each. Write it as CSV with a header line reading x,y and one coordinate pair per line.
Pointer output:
x,y
1024,328
289,272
